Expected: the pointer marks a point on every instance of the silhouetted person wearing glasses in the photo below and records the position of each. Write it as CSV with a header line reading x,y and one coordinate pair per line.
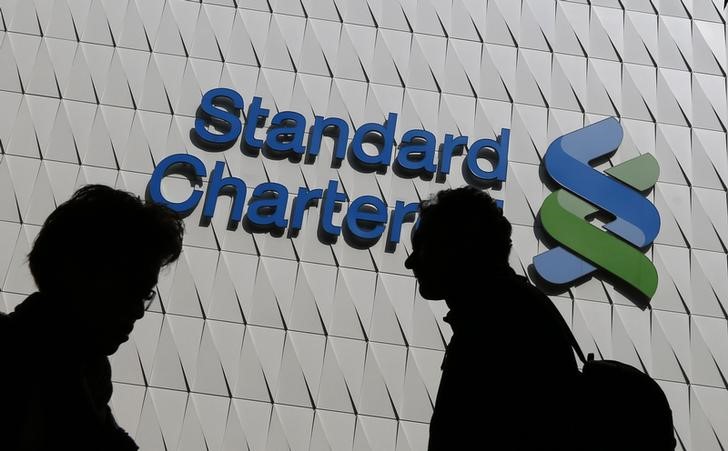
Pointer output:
x,y
95,261
509,371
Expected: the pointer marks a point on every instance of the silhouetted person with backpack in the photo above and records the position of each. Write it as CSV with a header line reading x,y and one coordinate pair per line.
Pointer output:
x,y
509,372
510,380
95,262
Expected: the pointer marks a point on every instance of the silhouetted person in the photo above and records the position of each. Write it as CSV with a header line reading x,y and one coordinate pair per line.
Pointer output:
x,y
95,261
509,372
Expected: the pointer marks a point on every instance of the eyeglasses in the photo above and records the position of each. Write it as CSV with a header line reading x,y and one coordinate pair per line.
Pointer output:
x,y
148,299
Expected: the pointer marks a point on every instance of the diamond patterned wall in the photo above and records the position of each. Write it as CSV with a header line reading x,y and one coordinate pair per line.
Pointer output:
x,y
264,342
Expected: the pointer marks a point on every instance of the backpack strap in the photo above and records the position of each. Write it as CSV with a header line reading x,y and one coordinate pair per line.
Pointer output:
x,y
567,332
575,344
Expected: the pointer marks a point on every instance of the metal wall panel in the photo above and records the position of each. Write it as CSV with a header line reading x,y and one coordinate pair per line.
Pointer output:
x,y
288,343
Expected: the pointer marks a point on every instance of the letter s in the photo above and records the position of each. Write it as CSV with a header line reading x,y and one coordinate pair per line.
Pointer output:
x,y
228,122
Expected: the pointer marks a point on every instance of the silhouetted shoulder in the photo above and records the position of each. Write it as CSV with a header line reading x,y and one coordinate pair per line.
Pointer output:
x,y
508,364
13,383
11,345
4,326
37,359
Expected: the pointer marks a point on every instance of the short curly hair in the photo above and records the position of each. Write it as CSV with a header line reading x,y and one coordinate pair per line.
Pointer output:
x,y
471,218
98,226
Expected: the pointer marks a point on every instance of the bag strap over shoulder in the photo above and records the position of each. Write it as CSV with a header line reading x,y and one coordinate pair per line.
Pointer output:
x,y
568,333
575,344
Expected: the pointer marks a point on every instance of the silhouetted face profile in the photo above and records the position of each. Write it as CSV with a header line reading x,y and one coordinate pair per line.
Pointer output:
x,y
107,305
430,263
99,255
461,238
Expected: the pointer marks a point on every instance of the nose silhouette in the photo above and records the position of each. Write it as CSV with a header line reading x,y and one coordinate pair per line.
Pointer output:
x,y
138,311
408,262
133,310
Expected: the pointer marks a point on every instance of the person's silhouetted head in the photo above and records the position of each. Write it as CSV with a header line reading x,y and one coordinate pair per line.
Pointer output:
x,y
99,254
461,234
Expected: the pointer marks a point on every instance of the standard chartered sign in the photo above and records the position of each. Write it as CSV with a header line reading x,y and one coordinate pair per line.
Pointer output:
x,y
218,127
616,248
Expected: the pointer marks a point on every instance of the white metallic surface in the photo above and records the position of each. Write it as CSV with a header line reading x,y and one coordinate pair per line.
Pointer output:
x,y
257,329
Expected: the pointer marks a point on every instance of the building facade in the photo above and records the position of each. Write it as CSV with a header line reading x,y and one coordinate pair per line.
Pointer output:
x,y
294,339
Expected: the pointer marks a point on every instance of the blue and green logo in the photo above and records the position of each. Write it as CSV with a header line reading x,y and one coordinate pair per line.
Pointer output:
x,y
618,246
